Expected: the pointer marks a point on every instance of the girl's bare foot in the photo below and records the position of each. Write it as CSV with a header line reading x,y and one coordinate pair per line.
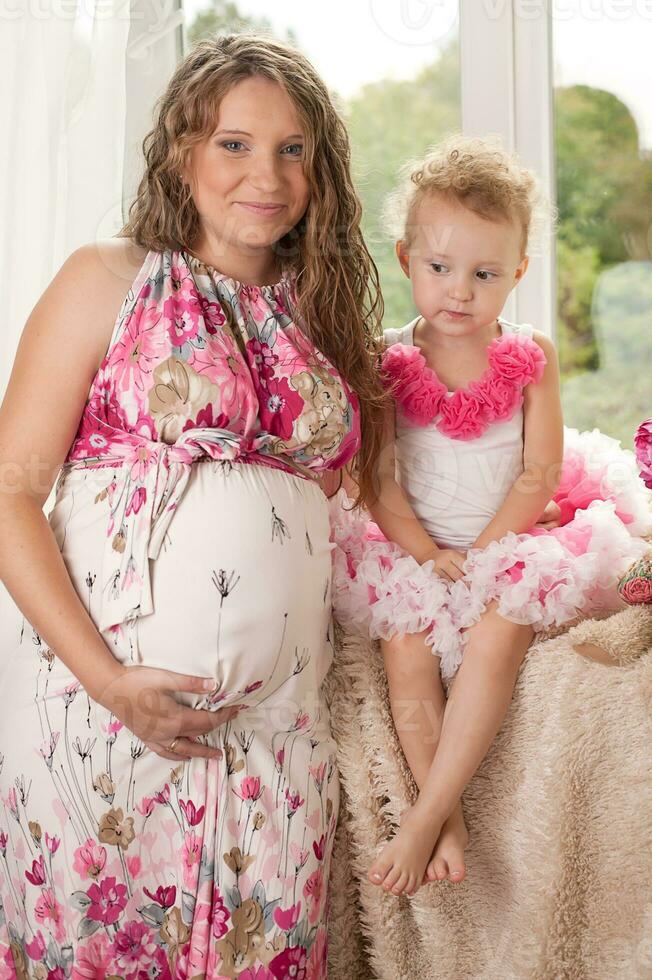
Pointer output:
x,y
448,858
401,864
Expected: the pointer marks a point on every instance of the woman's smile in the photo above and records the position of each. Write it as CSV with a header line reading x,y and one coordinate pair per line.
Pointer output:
x,y
264,210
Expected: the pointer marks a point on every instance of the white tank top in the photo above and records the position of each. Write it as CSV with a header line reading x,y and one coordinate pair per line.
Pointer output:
x,y
455,487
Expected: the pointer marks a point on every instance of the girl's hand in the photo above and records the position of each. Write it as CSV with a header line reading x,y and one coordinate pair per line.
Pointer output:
x,y
449,563
142,698
551,516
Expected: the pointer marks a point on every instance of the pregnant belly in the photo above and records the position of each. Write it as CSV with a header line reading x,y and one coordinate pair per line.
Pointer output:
x,y
241,587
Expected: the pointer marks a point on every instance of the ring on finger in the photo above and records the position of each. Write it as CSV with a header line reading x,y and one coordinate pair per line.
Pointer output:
x,y
173,743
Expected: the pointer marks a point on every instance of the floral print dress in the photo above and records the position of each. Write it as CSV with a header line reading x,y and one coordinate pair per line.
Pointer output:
x,y
193,530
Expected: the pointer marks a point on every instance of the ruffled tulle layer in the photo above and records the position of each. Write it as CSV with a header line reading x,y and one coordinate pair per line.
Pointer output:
x,y
544,578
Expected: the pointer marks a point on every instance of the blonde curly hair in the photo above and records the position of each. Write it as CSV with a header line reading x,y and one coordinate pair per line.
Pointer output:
x,y
479,174
338,299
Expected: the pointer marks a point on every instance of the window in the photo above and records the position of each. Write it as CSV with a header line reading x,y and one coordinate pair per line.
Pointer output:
x,y
603,167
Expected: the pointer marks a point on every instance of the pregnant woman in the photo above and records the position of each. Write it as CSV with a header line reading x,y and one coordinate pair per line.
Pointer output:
x,y
167,773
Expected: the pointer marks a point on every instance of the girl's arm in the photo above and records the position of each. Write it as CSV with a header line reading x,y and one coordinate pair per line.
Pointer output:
x,y
391,510
543,445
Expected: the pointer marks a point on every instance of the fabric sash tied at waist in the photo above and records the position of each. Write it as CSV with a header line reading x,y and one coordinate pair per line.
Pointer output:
x,y
154,479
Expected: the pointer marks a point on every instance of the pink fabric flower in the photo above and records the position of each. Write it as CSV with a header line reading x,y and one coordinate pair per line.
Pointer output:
x,y
461,416
191,855
291,964
643,450
163,896
89,859
280,405
48,911
637,590
192,814
415,386
262,357
401,364
183,316
518,359
286,919
249,789
422,398
138,498
213,314
108,899
220,916
501,397
37,874
93,958
313,892
635,587
134,947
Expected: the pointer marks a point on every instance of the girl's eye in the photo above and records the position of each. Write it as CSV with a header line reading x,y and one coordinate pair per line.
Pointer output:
x,y
437,266
485,276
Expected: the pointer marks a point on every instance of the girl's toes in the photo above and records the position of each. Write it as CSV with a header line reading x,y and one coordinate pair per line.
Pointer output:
x,y
437,869
391,878
412,885
457,874
378,870
399,887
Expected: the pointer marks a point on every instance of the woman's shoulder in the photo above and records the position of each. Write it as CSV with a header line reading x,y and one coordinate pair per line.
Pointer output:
x,y
109,259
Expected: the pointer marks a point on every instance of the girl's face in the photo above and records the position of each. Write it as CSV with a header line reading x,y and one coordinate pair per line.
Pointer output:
x,y
247,177
462,266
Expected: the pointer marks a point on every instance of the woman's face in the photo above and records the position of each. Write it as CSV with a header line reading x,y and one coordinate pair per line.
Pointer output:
x,y
247,178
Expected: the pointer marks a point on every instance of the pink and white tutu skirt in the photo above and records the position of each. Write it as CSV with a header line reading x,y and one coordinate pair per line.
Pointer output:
x,y
545,577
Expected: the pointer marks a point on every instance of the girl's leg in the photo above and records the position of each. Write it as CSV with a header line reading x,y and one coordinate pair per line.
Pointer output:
x,y
418,701
476,707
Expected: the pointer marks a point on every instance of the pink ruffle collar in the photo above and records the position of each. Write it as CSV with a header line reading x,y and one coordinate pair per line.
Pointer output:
x,y
514,362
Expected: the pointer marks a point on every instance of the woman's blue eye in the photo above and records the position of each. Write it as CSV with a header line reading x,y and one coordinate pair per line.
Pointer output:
x,y
239,143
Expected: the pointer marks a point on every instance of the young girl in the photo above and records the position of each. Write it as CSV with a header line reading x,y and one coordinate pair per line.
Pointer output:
x,y
452,563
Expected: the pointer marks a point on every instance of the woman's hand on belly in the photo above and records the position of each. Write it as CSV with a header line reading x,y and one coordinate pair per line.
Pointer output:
x,y
142,698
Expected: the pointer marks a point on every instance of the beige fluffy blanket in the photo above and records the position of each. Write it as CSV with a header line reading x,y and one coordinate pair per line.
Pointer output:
x,y
559,867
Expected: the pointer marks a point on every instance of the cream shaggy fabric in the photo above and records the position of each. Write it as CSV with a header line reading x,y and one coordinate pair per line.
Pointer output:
x,y
559,868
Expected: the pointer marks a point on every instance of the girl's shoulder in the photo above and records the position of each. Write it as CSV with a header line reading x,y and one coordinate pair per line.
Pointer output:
x,y
527,330
399,335
522,329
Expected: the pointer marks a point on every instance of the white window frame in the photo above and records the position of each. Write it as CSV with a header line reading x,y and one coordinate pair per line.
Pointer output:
x,y
154,48
507,89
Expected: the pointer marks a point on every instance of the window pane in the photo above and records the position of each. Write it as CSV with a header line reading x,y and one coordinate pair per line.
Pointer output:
x,y
603,128
394,70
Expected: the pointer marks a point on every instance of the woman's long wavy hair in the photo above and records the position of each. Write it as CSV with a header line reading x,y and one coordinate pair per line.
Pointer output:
x,y
338,295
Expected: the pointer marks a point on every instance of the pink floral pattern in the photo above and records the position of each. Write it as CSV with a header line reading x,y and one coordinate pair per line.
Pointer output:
x,y
514,362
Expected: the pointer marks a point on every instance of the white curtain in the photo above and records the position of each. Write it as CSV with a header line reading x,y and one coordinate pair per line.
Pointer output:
x,y
78,85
